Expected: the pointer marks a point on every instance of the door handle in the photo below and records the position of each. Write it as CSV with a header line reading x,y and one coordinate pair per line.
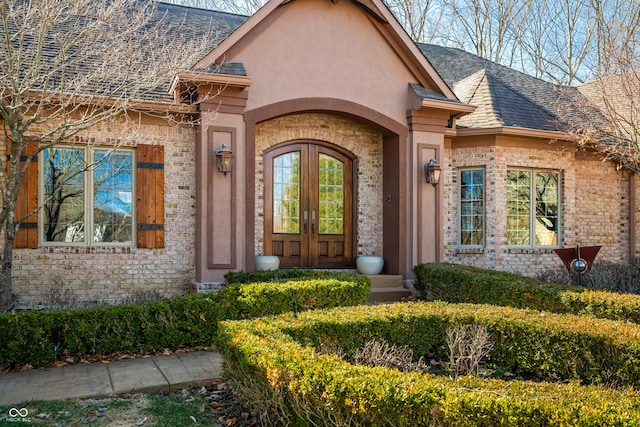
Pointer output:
x,y
305,220
313,222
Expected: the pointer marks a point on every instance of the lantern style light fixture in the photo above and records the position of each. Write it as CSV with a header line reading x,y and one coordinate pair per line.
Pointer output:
x,y
224,157
432,172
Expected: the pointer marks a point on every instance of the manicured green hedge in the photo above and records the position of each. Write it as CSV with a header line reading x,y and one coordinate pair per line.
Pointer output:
x,y
276,363
460,284
26,338
547,345
260,299
187,321
244,277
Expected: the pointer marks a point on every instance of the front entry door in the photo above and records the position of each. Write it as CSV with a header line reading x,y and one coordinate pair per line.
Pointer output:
x,y
308,206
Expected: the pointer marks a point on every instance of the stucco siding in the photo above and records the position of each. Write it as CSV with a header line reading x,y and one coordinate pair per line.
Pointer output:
x,y
324,49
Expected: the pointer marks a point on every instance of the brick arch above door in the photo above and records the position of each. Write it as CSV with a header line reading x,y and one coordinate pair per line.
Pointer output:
x,y
364,142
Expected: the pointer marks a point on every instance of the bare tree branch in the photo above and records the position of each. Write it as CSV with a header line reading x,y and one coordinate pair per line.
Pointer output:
x,y
68,65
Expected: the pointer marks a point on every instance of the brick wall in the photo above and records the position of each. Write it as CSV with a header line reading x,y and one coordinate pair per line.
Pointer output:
x,y
594,197
602,205
364,142
110,275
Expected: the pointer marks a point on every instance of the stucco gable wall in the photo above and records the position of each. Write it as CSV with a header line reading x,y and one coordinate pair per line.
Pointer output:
x,y
316,48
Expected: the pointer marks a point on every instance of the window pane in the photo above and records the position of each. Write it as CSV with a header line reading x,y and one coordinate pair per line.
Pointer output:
x,y
518,207
547,198
330,195
64,195
112,196
286,193
471,207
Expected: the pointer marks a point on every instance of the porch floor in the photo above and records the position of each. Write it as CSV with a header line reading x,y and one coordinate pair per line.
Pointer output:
x,y
387,288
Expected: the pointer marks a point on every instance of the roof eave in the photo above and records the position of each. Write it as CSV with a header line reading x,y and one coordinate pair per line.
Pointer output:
x,y
131,105
511,131
459,109
209,78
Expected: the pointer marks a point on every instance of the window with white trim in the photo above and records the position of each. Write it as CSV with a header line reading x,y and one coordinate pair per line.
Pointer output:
x,y
87,196
471,207
533,207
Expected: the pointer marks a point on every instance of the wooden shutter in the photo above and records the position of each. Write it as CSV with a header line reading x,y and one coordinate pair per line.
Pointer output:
x,y
150,196
27,236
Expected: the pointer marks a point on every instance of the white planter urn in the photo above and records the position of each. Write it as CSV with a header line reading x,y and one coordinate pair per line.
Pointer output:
x,y
267,262
369,265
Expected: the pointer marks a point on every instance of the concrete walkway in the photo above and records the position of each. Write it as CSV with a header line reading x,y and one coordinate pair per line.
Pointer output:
x,y
145,374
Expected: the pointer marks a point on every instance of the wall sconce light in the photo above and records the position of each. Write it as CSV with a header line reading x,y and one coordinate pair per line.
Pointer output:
x,y
432,172
224,157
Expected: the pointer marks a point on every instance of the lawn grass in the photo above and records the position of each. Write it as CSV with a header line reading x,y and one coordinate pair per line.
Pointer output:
x,y
182,408
77,412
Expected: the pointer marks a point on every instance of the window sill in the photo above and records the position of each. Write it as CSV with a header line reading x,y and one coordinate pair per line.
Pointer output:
x,y
530,250
86,249
463,250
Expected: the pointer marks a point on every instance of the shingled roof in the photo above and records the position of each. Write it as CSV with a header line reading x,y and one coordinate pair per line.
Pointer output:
x,y
198,20
197,23
504,96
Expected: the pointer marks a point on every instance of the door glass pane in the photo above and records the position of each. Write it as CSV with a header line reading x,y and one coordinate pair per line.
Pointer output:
x,y
331,200
64,193
286,193
112,196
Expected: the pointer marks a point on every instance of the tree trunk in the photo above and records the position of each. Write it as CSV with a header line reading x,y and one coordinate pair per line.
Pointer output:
x,y
6,286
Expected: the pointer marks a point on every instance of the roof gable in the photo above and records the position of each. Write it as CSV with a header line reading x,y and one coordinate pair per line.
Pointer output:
x,y
384,21
506,97
499,105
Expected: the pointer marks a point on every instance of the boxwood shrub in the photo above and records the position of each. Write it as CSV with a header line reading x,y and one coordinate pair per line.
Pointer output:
x,y
189,321
276,364
545,345
264,298
463,284
244,277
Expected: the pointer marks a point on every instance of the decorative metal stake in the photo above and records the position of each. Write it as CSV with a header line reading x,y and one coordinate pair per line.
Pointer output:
x,y
578,260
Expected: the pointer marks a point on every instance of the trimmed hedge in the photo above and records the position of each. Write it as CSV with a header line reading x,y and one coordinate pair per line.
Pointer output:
x,y
245,277
547,345
463,284
261,299
186,321
190,321
276,363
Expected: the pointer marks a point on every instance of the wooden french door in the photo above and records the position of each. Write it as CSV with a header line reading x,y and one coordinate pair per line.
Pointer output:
x,y
308,211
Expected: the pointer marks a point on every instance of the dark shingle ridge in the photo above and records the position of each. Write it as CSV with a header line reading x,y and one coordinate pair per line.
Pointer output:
x,y
166,5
